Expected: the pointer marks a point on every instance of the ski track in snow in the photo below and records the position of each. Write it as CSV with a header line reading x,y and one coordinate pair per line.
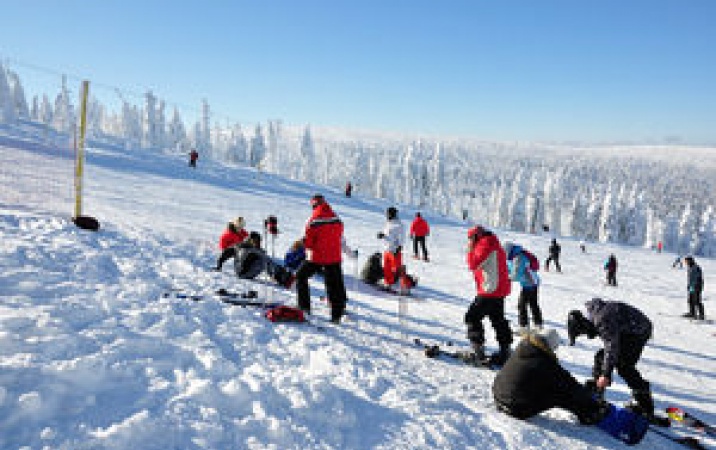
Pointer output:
x,y
94,355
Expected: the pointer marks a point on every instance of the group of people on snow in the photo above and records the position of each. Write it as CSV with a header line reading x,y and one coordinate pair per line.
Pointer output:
x,y
530,380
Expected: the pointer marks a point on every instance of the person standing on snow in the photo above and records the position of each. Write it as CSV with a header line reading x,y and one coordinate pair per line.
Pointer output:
x,y
610,266
392,236
532,381
554,251
233,235
695,286
193,156
625,331
323,242
419,230
520,268
488,262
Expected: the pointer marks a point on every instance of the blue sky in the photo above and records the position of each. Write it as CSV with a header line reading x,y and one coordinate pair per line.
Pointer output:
x,y
508,70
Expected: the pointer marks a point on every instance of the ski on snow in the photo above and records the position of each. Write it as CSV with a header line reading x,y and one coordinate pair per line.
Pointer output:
x,y
464,356
690,421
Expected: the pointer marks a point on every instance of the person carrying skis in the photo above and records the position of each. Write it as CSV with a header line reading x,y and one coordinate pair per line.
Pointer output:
x,y
532,381
193,157
323,242
521,266
695,286
392,236
610,266
419,229
488,262
624,330
554,251
251,260
233,235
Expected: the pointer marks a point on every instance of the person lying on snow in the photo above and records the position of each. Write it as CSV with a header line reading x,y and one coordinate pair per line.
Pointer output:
x,y
532,381
251,260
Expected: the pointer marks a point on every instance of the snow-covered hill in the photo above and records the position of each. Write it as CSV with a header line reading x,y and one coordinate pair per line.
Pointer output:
x,y
93,355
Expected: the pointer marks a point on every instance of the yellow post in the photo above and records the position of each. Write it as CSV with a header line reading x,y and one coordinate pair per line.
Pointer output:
x,y
79,162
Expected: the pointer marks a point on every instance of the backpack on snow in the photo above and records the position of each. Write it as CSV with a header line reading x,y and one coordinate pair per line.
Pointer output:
x,y
373,269
285,313
534,262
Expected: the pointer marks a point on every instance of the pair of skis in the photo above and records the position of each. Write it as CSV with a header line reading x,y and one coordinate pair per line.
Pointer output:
x,y
244,299
465,356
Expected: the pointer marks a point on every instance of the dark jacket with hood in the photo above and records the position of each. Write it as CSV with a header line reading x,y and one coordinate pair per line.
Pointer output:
x,y
250,261
695,278
533,381
613,320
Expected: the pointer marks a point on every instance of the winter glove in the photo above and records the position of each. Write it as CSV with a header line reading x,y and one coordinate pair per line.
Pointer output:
x,y
381,235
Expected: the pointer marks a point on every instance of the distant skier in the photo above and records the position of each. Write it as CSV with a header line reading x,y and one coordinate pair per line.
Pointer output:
x,y
583,246
419,230
193,157
554,251
251,260
659,246
488,262
695,286
392,236
677,263
349,189
233,235
521,266
532,381
610,266
323,242
625,331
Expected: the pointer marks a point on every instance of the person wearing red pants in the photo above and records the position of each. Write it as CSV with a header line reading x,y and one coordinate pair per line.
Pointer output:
x,y
392,235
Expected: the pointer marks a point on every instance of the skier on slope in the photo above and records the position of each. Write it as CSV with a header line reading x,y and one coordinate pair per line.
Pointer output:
x,y
554,251
392,236
323,240
695,286
610,266
419,230
193,157
625,331
233,235
251,260
532,381
521,270
488,262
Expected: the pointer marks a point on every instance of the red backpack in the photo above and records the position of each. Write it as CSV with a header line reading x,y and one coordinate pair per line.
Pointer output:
x,y
534,262
285,313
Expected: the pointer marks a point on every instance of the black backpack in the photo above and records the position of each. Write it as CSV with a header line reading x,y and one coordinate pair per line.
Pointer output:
x,y
372,270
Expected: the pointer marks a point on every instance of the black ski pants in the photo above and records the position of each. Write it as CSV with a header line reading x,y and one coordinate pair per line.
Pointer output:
x,y
630,348
556,262
420,240
226,254
528,298
696,306
494,309
612,277
333,279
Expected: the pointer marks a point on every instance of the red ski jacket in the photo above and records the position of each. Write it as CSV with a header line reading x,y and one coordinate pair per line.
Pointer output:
x,y
324,231
419,227
229,238
488,262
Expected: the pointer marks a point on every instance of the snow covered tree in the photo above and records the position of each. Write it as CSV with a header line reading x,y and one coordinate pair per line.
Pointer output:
x,y
308,156
257,147
176,137
7,106
18,96
687,228
63,115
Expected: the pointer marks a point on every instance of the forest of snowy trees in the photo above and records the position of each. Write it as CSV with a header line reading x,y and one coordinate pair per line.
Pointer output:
x,y
587,193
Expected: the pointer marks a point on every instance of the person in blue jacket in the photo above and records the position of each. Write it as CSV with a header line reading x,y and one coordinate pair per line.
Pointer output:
x,y
295,255
520,269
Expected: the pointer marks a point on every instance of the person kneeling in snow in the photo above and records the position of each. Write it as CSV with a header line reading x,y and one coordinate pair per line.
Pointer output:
x,y
532,381
251,260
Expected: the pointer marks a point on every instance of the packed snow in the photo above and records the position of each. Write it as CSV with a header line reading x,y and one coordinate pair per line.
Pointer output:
x,y
95,355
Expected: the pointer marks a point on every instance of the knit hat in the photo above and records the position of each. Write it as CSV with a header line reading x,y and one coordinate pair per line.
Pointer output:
x,y
476,232
239,223
392,212
255,237
316,200
550,337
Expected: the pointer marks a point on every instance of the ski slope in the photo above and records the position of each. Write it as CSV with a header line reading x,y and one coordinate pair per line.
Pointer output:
x,y
94,356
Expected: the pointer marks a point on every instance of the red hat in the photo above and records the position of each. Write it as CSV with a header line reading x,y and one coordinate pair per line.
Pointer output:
x,y
476,232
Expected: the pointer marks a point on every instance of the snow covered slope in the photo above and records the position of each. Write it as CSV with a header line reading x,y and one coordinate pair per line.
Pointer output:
x,y
93,355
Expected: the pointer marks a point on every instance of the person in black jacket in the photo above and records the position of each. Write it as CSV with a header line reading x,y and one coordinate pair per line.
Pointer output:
x,y
695,286
251,260
610,266
533,381
624,330
554,250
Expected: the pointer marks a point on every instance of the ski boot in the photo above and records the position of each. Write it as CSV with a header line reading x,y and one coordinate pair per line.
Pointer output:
x,y
643,404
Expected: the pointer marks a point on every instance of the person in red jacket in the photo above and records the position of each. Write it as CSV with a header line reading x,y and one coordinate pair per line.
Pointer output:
x,y
233,235
322,240
193,156
488,262
419,229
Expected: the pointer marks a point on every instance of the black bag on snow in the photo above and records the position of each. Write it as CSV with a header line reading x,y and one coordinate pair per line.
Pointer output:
x,y
373,269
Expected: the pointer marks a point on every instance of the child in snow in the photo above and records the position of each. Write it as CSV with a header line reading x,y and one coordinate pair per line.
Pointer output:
x,y
392,236
533,381
520,267
233,235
